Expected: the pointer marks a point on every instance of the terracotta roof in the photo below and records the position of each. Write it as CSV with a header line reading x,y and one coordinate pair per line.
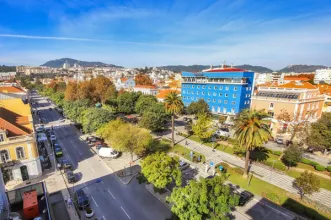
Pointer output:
x,y
226,69
124,79
11,89
13,123
297,85
164,92
174,84
324,89
294,78
145,87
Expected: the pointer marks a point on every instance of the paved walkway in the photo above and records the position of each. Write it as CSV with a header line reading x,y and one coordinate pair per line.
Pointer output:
x,y
277,179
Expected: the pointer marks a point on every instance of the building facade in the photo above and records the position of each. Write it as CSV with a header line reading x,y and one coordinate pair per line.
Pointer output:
x,y
146,90
18,148
125,83
301,100
226,90
322,75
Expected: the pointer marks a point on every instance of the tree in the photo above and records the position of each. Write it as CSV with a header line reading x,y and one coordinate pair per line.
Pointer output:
x,y
294,123
154,118
143,79
202,128
85,90
101,89
251,130
161,170
201,106
292,155
126,102
319,133
126,137
71,93
144,102
173,105
204,199
74,109
307,183
93,118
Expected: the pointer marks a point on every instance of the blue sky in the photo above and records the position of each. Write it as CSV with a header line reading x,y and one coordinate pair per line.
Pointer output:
x,y
135,33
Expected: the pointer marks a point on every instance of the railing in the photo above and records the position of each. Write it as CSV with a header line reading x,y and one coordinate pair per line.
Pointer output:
x,y
18,139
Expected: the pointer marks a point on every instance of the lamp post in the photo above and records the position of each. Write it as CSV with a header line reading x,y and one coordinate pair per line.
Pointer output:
x,y
273,163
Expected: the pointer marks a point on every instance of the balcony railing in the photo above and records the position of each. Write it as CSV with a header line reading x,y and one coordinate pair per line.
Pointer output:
x,y
18,139
212,81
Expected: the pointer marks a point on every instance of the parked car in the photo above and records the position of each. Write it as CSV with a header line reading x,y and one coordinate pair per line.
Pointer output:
x,y
53,138
91,139
245,197
223,132
58,152
311,149
70,176
98,143
279,141
64,164
108,152
81,199
40,129
183,165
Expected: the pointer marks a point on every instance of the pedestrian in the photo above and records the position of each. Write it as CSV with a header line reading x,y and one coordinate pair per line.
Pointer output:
x,y
185,142
207,168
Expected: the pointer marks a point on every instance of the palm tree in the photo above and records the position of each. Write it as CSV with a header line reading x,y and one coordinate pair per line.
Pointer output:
x,y
173,105
252,130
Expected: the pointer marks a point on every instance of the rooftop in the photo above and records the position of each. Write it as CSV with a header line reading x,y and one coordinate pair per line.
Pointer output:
x,y
164,92
294,78
290,85
145,87
324,89
224,69
11,89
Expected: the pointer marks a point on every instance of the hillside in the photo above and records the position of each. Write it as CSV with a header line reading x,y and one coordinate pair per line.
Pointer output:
x,y
59,63
4,68
198,68
301,68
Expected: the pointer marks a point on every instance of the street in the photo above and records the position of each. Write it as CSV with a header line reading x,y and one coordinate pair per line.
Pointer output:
x,y
109,199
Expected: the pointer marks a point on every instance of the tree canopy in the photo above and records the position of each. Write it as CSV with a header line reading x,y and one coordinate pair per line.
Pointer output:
x,y
307,183
155,117
251,130
161,170
73,109
126,102
292,155
143,79
93,118
144,102
203,199
202,127
201,106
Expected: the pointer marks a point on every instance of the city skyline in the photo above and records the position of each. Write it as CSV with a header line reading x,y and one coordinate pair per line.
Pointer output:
x,y
148,33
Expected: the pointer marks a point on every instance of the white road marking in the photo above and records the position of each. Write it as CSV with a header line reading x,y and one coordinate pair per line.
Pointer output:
x,y
104,217
111,194
94,201
102,182
69,157
85,185
92,170
125,212
75,146
80,153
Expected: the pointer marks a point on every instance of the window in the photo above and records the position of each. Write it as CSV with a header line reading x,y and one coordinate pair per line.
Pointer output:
x,y
20,153
198,87
208,93
188,86
197,98
226,95
233,103
188,92
271,105
220,101
235,88
184,91
234,96
203,87
4,155
209,87
246,88
208,100
232,110
249,95
225,101
250,88
214,93
215,87
192,92
247,102
192,86
227,88
246,96
271,113
2,138
198,93
220,94
221,87
214,100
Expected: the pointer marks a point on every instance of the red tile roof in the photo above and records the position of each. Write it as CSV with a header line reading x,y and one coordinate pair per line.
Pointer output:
x,y
301,85
145,87
324,89
13,123
226,69
163,93
124,79
294,78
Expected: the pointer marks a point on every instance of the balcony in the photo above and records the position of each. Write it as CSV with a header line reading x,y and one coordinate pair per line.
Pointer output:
x,y
17,139
215,81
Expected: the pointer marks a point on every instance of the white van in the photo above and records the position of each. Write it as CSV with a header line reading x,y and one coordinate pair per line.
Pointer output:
x,y
107,152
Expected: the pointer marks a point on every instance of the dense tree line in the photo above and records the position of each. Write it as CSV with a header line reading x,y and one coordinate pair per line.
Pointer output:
x,y
4,68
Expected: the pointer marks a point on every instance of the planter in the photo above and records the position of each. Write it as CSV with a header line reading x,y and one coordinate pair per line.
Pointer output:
x,y
89,213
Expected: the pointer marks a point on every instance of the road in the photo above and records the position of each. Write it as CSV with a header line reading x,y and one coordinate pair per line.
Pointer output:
x,y
110,199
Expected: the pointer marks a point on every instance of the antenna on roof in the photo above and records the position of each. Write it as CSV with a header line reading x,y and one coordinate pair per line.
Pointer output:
x,y
211,66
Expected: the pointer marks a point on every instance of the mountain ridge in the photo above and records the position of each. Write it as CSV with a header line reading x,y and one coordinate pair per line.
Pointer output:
x,y
58,63
300,68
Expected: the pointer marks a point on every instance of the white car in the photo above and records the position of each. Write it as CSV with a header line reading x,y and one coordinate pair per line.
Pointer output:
x,y
183,165
53,138
108,152
223,132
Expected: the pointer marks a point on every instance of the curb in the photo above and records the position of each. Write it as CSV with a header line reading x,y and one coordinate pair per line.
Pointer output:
x,y
164,203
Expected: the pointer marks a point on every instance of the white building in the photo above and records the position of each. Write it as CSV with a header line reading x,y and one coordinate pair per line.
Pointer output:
x,y
146,90
125,83
262,78
323,75
66,65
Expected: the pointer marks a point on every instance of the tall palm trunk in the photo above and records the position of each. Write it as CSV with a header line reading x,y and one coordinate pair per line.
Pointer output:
x,y
247,163
173,130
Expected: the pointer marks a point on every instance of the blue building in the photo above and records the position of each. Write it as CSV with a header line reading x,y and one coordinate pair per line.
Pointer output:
x,y
226,90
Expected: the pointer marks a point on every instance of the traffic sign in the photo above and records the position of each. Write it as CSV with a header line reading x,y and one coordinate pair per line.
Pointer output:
x,y
211,163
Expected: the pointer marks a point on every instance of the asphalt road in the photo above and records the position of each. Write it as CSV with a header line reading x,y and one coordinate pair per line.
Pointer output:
x,y
110,199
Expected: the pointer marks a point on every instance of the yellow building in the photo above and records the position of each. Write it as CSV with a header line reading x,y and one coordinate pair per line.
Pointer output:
x,y
18,148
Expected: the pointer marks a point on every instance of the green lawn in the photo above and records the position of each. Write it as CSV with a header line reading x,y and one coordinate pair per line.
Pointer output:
x,y
275,194
183,151
325,183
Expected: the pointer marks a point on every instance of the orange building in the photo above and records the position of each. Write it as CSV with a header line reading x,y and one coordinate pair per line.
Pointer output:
x,y
301,100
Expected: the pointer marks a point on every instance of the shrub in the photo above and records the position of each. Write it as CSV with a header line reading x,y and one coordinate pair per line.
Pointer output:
x,y
273,197
319,167
328,168
305,161
225,165
276,166
238,170
313,163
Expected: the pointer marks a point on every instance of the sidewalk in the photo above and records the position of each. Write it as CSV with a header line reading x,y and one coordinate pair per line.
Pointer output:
x,y
283,181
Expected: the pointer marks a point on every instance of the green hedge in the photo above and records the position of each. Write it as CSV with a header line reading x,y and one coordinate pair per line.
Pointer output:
x,y
277,166
309,162
328,168
275,152
319,167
